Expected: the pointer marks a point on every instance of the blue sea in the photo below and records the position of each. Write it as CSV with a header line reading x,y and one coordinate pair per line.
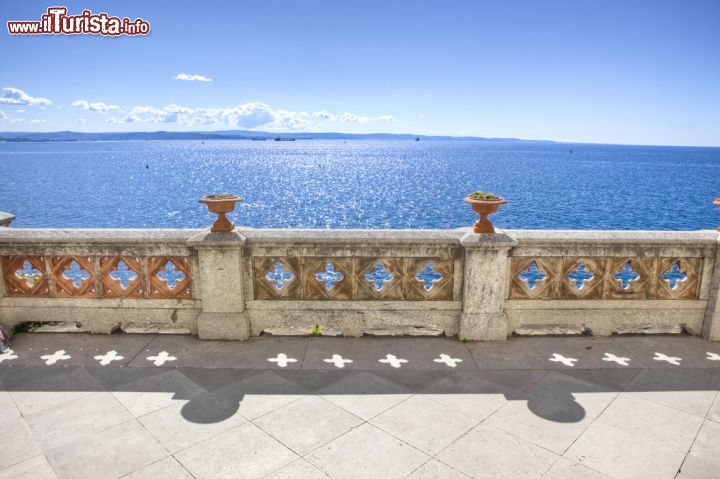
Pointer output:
x,y
359,184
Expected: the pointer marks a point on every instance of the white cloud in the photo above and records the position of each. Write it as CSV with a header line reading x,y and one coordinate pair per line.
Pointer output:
x,y
96,106
19,111
3,115
385,118
17,120
37,121
189,77
347,117
81,120
351,117
14,96
177,109
246,115
150,114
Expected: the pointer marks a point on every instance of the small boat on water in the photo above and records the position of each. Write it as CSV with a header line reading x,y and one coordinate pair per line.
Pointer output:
x,y
417,138
717,201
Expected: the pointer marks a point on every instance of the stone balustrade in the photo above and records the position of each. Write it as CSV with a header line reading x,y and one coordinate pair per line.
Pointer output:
x,y
356,282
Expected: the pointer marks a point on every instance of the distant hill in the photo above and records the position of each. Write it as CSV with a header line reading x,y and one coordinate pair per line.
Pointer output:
x,y
24,136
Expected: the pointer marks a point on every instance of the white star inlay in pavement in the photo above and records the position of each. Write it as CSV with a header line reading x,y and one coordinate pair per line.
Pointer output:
x,y
108,357
51,359
393,360
669,359
338,361
616,359
713,356
161,358
8,355
447,360
282,360
559,358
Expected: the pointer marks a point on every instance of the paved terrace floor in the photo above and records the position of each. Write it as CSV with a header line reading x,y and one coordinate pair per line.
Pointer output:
x,y
145,406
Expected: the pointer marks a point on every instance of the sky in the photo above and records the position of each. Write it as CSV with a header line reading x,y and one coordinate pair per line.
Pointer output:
x,y
629,72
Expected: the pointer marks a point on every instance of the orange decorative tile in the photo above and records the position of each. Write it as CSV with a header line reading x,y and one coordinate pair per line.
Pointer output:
x,y
582,278
169,277
629,278
73,276
122,277
276,278
533,278
327,278
677,278
428,279
380,278
25,276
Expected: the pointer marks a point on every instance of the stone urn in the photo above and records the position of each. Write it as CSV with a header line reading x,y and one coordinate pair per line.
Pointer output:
x,y
221,205
484,204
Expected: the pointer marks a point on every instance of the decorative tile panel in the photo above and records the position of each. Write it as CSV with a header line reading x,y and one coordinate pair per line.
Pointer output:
x,y
122,277
533,278
169,277
25,276
604,278
428,279
629,278
277,278
678,278
379,278
582,278
73,276
348,279
328,278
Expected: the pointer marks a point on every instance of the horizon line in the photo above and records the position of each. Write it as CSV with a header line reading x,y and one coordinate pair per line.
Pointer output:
x,y
248,134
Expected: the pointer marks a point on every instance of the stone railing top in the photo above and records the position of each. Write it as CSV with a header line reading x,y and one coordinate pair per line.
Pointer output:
x,y
364,236
202,237
95,236
613,237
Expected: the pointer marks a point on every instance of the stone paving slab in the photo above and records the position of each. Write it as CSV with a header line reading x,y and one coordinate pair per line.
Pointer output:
x,y
178,407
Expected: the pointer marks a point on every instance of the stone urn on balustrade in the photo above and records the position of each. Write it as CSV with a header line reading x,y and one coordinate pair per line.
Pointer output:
x,y
484,204
221,205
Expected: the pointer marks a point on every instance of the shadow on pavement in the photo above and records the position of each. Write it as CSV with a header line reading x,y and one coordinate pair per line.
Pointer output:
x,y
214,395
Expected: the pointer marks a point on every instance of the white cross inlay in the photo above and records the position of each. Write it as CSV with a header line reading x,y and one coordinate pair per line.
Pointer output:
x,y
669,359
338,361
161,358
449,361
8,355
51,359
713,356
108,357
559,358
282,360
616,359
393,360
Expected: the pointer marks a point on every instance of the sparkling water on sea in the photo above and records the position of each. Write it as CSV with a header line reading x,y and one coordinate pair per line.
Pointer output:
x,y
359,184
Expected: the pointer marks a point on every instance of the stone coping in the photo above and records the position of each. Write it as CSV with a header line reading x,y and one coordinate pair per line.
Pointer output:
x,y
508,238
364,236
615,237
95,236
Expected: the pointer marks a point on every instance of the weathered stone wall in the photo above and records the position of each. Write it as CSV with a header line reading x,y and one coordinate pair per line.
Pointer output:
x,y
609,282
356,282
